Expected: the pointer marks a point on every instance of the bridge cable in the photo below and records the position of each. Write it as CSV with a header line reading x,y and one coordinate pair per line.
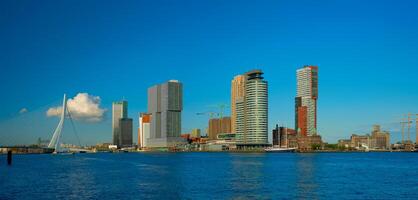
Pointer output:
x,y
72,123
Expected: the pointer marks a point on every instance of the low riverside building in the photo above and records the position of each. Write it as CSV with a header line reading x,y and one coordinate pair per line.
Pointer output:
x,y
195,133
25,150
344,143
102,147
309,143
360,141
288,138
213,147
282,135
378,140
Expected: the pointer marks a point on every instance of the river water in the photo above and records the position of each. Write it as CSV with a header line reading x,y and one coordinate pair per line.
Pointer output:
x,y
211,176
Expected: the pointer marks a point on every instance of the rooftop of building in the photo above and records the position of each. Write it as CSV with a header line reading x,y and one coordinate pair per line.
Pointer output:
x,y
308,66
254,74
120,102
173,81
254,71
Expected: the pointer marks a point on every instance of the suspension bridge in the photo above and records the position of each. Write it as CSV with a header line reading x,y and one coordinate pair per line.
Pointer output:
x,y
55,143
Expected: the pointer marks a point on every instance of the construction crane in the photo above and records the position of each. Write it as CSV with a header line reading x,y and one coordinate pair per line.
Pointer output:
x,y
211,114
408,120
219,114
221,108
416,129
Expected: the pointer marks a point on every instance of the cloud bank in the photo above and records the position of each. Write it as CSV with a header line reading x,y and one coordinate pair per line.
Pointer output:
x,y
82,107
23,111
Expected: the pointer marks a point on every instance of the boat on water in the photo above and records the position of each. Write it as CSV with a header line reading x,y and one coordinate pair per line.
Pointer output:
x,y
279,150
63,153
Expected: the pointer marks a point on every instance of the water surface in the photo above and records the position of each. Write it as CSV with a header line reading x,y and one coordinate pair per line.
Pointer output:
x,y
211,176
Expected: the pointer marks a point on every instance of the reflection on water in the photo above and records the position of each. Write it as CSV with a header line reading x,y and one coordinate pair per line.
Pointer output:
x,y
160,180
77,179
210,176
306,184
247,176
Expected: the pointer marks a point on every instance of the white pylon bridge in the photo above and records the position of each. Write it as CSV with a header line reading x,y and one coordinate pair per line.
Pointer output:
x,y
55,142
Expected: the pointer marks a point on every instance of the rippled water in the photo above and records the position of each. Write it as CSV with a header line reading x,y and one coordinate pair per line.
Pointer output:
x,y
211,176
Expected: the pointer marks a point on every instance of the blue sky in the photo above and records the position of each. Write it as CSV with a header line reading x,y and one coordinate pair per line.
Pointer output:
x,y
366,54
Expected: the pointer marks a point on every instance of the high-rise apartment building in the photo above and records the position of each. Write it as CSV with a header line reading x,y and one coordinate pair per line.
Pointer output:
x,y
144,129
237,94
119,111
252,112
165,103
306,101
218,126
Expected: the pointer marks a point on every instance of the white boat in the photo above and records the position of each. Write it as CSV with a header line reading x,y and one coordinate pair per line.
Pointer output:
x,y
279,150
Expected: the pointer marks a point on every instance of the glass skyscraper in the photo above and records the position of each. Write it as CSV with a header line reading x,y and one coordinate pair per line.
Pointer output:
x,y
119,111
252,111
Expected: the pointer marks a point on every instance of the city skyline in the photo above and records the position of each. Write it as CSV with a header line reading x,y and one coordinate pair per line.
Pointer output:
x,y
365,52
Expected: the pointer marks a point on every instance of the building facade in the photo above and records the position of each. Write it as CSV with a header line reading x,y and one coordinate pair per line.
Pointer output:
x,y
360,141
282,135
165,103
306,100
380,139
144,130
252,112
218,126
119,111
237,94
125,136
195,133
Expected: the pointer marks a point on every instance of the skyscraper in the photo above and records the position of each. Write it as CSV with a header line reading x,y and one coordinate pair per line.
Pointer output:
x,y
252,112
165,103
237,94
144,129
125,136
119,110
306,100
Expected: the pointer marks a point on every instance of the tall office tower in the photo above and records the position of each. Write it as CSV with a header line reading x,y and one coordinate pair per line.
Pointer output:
x,y
218,126
119,110
165,103
252,112
306,100
237,94
144,129
125,136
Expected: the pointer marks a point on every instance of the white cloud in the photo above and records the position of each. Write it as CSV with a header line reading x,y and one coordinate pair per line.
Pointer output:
x,y
23,110
55,111
82,107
